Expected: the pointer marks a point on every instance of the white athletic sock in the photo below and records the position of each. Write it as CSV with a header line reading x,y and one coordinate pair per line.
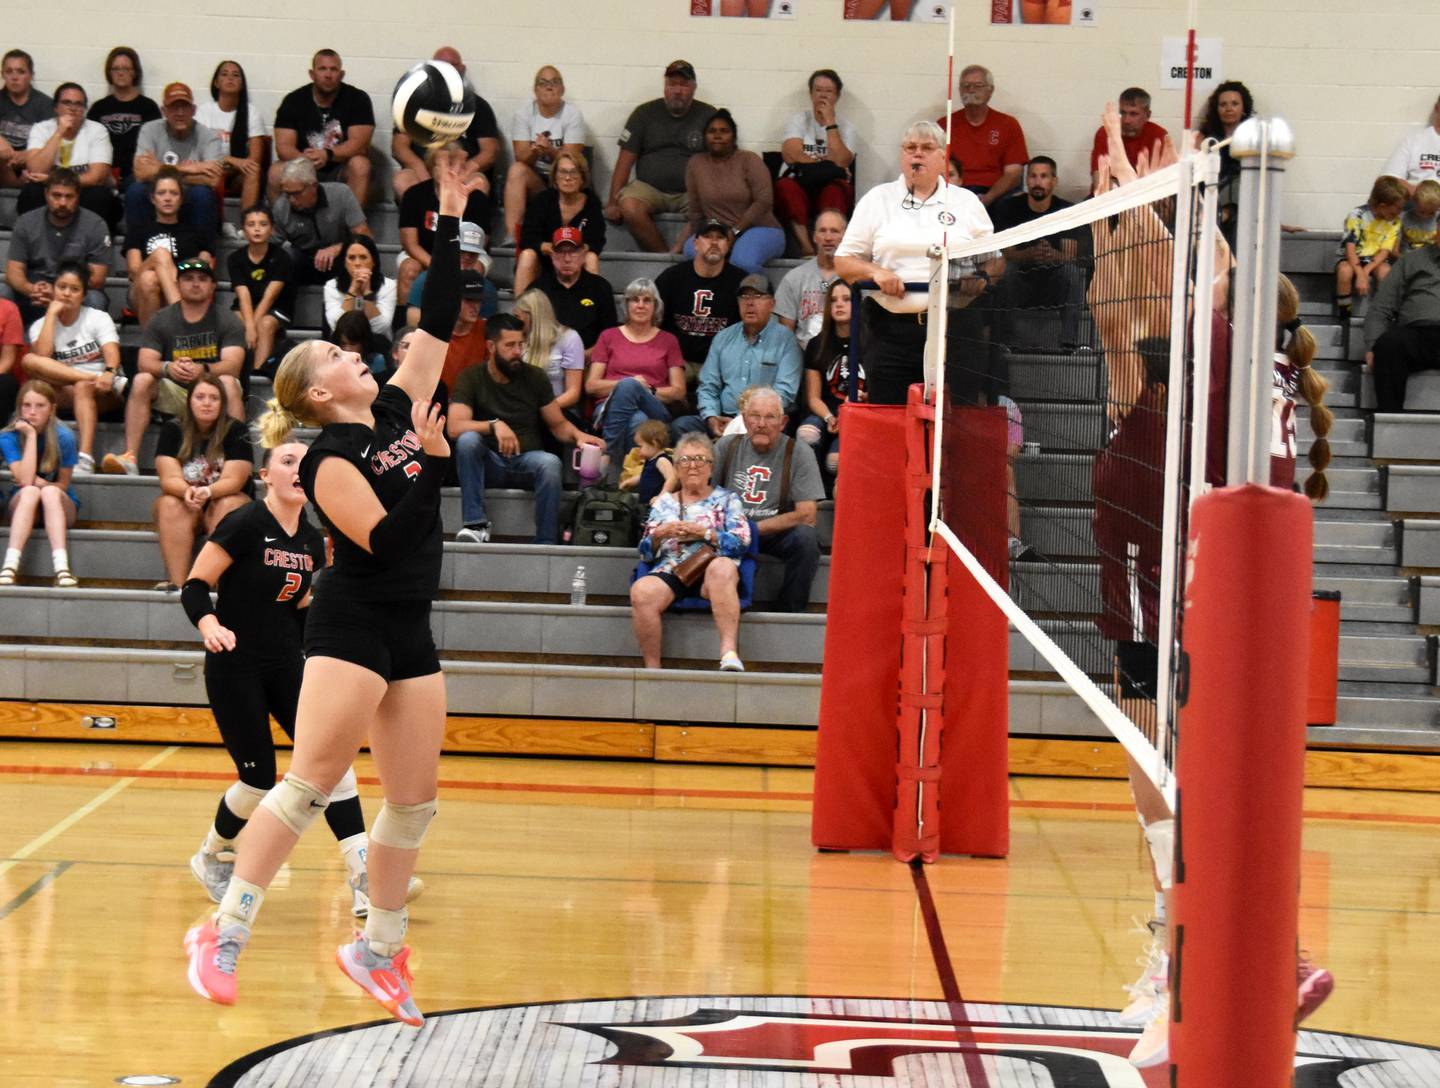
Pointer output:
x,y
385,930
354,850
214,844
240,904
61,558
12,558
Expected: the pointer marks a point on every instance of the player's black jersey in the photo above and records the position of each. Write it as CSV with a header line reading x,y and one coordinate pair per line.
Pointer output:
x,y
390,458
269,575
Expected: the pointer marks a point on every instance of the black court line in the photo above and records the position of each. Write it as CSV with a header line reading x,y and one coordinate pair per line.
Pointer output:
x,y
34,889
969,1051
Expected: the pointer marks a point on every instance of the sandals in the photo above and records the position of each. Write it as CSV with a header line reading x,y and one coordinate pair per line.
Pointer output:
x,y
65,580
7,576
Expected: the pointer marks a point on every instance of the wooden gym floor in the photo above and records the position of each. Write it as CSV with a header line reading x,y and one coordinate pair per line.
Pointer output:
x,y
552,881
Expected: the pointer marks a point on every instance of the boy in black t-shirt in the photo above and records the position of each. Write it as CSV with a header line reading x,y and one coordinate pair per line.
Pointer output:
x,y
328,122
261,277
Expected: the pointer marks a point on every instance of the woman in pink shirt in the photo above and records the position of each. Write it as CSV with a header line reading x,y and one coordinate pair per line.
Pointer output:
x,y
636,371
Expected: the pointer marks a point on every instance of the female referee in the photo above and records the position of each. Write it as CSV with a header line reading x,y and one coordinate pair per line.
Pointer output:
x,y
263,558
371,670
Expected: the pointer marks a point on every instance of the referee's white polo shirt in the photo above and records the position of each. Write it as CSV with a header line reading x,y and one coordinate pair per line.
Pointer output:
x,y
892,228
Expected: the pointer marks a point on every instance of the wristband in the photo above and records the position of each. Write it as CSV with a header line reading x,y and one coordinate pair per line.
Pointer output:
x,y
195,599
165,370
832,128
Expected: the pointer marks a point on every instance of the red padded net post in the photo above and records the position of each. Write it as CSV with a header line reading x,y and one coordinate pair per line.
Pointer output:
x,y
1241,774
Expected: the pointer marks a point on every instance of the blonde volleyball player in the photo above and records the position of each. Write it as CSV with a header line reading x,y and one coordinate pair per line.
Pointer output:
x,y
371,669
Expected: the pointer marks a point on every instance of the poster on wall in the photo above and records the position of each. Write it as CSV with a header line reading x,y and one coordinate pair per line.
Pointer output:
x,y
745,9
1043,12
899,11
1209,63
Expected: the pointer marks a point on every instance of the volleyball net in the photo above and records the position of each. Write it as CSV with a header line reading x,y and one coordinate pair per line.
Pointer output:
x,y
1081,325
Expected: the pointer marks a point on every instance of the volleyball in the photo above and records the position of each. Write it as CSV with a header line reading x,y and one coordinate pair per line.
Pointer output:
x,y
433,104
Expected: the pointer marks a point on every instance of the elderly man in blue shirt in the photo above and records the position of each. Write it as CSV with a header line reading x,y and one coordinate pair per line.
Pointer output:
x,y
757,351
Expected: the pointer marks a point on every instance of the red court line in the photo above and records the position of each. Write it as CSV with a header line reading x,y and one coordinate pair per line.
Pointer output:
x,y
1418,820
949,985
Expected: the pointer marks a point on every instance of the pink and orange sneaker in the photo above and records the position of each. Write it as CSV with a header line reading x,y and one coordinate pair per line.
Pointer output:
x,y
213,954
385,978
1315,984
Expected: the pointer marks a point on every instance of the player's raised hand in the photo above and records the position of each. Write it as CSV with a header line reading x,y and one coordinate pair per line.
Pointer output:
x,y
451,187
429,425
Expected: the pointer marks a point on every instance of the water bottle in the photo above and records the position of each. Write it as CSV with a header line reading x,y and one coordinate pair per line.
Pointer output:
x,y
577,586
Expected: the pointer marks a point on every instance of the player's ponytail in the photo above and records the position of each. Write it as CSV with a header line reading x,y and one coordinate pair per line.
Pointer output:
x,y
288,409
1298,344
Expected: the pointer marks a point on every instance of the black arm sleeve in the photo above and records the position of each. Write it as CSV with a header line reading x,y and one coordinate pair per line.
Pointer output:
x,y
395,535
440,300
195,599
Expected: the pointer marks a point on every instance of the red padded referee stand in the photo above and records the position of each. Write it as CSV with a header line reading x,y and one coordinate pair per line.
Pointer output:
x,y
1241,776
869,770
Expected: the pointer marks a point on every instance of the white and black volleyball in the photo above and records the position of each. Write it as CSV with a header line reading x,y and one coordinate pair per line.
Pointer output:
x,y
433,104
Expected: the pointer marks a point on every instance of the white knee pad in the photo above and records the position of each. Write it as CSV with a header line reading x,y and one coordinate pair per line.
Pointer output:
x,y
1161,837
346,788
808,433
403,826
295,803
832,462
243,799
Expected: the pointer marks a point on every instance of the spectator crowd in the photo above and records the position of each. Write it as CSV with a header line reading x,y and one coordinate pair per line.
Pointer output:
x,y
710,348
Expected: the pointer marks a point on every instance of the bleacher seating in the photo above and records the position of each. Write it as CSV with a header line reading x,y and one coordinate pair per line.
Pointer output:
x,y
513,645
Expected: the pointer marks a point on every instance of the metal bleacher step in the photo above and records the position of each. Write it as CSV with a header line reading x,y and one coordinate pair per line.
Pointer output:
x,y
1413,489
1372,652
1407,436
1063,427
1374,598
1428,606
1420,543
1041,376
530,569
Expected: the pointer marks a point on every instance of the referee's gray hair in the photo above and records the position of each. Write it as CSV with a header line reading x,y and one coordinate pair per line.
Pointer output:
x,y
925,130
301,170
643,286
989,76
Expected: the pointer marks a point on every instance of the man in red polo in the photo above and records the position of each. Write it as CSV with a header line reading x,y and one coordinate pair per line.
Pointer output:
x,y
1139,132
989,144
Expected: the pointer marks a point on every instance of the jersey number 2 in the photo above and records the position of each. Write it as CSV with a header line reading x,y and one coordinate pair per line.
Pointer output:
x,y
293,582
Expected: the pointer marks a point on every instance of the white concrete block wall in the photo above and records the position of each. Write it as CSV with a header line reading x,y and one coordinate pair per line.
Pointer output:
x,y
1351,77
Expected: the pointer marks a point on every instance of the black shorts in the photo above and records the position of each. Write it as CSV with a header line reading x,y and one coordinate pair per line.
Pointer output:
x,y
677,587
391,639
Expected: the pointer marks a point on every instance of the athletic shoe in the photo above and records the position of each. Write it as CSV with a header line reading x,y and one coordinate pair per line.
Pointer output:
x,y
1149,990
122,464
360,893
213,871
1153,1046
473,534
84,465
231,233
385,978
165,587
118,384
1315,985
213,955
730,662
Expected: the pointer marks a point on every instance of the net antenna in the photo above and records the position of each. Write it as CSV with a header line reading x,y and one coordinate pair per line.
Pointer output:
x,y
1157,231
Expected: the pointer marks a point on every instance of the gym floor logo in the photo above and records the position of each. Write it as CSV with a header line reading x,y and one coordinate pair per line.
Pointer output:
x,y
680,1042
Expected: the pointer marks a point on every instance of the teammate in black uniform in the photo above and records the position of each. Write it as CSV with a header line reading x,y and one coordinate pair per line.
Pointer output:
x,y
263,557
371,670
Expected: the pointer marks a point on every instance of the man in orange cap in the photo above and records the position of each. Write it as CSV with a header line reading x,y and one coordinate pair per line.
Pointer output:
x,y
195,151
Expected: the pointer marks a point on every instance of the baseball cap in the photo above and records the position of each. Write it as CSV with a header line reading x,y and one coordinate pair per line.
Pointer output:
x,y
194,264
176,92
472,284
711,225
567,236
680,69
472,238
755,283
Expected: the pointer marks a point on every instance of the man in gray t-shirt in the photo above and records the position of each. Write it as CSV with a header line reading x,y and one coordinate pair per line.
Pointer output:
x,y
313,219
657,143
46,237
197,152
779,483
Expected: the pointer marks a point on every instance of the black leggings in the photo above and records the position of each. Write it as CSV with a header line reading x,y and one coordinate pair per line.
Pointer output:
x,y
243,704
